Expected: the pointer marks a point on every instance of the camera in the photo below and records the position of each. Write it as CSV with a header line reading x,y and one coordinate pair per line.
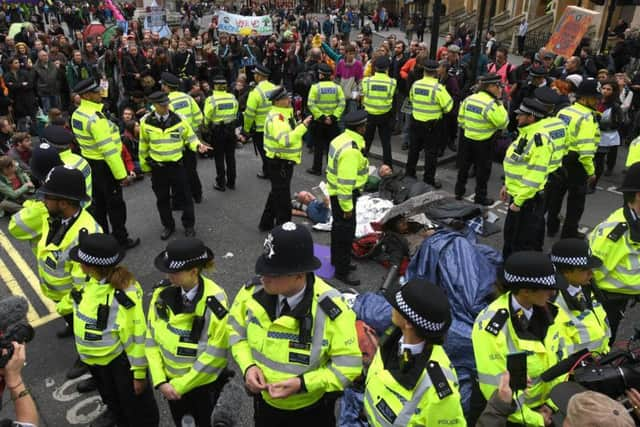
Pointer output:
x,y
21,332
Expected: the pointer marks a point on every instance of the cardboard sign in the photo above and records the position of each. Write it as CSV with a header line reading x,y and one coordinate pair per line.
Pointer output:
x,y
570,29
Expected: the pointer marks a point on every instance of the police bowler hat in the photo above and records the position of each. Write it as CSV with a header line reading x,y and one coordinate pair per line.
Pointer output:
x,y
159,97
88,85
58,136
97,249
588,88
65,182
170,80
44,157
183,254
288,249
631,182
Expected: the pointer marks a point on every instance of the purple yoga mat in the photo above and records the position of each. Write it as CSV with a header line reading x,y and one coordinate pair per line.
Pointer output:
x,y
323,253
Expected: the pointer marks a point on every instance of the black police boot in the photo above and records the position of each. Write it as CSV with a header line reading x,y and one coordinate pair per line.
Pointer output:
x,y
78,369
166,233
484,202
219,187
347,279
106,419
87,386
435,184
190,232
65,333
130,243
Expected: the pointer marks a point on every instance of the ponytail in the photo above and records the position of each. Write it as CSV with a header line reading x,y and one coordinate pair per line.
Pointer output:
x,y
117,276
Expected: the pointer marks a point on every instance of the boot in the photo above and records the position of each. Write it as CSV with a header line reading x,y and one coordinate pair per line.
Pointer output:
x,y
78,369
105,419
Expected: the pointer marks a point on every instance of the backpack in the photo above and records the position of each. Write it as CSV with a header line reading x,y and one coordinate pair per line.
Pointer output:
x,y
494,48
303,82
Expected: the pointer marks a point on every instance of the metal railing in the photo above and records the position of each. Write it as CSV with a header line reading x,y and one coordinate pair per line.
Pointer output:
x,y
535,40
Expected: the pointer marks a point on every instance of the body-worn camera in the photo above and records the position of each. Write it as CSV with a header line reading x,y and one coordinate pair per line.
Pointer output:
x,y
21,332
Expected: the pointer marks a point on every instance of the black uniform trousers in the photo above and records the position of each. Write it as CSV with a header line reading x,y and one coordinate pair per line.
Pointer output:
x,y
614,305
477,154
107,201
424,136
524,230
258,141
223,141
277,210
171,178
322,135
342,233
115,385
384,124
190,161
570,179
199,403
320,414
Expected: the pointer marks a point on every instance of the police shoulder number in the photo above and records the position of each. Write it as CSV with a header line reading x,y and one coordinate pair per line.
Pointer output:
x,y
497,322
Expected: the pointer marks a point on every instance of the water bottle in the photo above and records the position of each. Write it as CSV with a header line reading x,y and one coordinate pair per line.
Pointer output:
x,y
188,421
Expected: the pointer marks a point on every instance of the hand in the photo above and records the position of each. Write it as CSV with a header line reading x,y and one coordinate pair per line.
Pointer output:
x,y
203,148
254,380
132,174
30,184
504,196
169,392
242,138
13,368
547,413
286,388
347,215
634,399
514,208
307,121
591,180
139,386
327,120
505,393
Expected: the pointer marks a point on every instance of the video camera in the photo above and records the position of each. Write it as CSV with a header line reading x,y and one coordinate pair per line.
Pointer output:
x,y
13,326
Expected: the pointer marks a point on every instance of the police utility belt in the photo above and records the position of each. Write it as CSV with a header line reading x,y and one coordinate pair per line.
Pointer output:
x,y
158,165
428,126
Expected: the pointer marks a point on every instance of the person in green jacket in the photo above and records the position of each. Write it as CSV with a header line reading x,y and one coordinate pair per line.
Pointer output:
x,y
15,186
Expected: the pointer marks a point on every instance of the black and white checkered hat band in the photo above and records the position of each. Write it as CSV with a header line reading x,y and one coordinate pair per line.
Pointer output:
x,y
416,318
94,260
540,280
577,261
176,265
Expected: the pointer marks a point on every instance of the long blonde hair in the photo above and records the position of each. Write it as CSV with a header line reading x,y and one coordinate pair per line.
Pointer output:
x,y
118,276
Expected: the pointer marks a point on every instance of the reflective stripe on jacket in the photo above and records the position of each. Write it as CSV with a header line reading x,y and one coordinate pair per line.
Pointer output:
x,y
347,168
282,138
429,99
481,115
377,93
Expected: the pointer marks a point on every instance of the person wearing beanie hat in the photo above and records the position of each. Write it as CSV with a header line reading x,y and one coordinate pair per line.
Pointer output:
x,y
582,137
255,113
481,116
378,92
523,319
187,340
411,376
298,347
109,327
220,118
525,168
616,241
283,149
326,103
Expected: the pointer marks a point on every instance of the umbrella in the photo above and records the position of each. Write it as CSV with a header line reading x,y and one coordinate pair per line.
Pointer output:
x,y
109,34
16,28
92,30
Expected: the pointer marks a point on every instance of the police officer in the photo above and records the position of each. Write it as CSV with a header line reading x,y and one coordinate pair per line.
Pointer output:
x,y
429,102
283,149
347,173
377,98
537,78
187,338
411,380
220,117
326,103
187,107
292,336
481,116
258,105
583,136
164,135
522,319
525,169
109,327
588,327
616,241
99,141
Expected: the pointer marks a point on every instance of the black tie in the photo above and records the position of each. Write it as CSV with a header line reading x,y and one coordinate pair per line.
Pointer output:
x,y
284,308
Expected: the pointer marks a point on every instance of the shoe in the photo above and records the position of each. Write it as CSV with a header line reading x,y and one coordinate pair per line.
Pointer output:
x,y
353,267
190,232
435,184
87,386
219,187
166,233
130,243
591,189
262,176
106,419
347,280
314,172
264,228
65,333
484,202
404,146
77,370
608,172
231,186
197,199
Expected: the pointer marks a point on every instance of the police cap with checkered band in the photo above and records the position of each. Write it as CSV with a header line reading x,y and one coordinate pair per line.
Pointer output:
x,y
288,249
531,270
574,253
424,304
183,254
97,249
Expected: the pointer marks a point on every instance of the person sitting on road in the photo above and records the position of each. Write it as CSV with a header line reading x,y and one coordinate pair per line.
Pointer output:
x,y
15,185
307,205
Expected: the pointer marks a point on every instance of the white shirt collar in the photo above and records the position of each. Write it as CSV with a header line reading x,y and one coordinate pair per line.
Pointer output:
x,y
191,294
66,221
413,348
293,300
574,290
528,312
163,117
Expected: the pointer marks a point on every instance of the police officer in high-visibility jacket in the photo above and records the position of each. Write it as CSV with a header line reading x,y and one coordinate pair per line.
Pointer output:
x,y
255,113
429,102
525,169
164,136
616,241
481,116
187,107
99,141
292,336
411,381
347,173
588,325
634,153
283,149
578,170
187,338
109,328
326,103
377,98
220,117
523,320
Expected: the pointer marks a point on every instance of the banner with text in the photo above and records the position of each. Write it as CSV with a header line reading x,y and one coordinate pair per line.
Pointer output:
x,y
239,24
570,29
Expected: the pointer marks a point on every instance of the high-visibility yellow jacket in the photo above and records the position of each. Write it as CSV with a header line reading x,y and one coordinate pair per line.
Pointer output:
x,y
220,108
429,99
388,402
634,153
347,167
377,93
611,242
99,139
164,143
102,338
481,115
282,138
178,350
26,224
187,107
326,357
326,99
491,350
557,131
69,158
583,133
258,106
526,163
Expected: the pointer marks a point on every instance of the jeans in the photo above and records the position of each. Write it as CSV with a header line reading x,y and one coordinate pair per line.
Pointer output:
x,y
49,102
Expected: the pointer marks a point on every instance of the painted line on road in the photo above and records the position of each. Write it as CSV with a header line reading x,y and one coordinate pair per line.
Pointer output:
x,y
9,279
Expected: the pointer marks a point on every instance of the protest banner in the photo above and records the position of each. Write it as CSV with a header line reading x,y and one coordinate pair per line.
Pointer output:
x,y
239,24
573,25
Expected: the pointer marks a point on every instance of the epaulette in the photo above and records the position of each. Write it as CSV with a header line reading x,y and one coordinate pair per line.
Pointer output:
x,y
618,231
216,307
255,281
100,115
354,145
438,379
330,308
162,284
123,299
497,322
